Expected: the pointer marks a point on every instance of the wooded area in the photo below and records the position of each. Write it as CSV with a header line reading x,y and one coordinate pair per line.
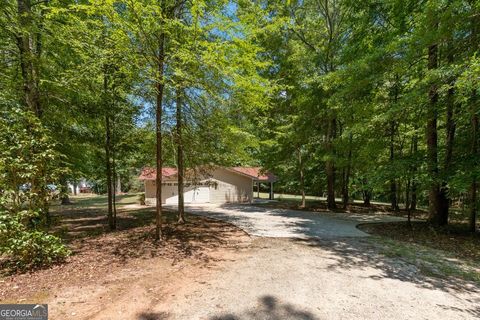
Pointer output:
x,y
353,99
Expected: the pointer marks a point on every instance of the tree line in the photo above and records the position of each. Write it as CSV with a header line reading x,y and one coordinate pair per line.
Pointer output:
x,y
372,100
376,100
99,89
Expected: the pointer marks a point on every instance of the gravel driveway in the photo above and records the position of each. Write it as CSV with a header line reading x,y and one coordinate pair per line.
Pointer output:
x,y
282,278
312,266
283,223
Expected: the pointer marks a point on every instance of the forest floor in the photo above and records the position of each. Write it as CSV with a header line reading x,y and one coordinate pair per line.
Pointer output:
x,y
209,269
122,272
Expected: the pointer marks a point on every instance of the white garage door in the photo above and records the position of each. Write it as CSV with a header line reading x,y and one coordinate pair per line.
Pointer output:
x,y
202,195
198,195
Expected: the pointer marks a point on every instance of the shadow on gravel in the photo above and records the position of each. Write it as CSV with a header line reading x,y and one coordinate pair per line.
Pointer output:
x,y
357,253
271,308
152,316
267,308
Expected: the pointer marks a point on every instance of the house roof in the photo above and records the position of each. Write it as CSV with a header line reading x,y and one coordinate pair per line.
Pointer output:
x,y
256,173
151,173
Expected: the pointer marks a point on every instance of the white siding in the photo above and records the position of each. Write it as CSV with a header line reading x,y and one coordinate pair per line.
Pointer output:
x,y
225,187
230,187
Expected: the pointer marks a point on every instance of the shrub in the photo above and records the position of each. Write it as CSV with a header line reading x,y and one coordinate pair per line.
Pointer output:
x,y
29,166
27,247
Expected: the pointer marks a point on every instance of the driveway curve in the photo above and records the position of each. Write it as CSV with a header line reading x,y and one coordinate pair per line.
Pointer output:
x,y
265,221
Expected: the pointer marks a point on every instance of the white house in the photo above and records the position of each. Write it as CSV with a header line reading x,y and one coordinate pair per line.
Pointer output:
x,y
81,186
207,185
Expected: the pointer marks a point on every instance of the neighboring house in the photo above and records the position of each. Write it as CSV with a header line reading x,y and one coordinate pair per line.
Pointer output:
x,y
82,186
214,185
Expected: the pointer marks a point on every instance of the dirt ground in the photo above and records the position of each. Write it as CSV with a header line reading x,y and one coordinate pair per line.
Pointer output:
x,y
118,275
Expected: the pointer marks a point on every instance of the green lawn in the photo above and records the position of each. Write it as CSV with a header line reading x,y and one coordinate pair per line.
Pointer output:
x,y
100,201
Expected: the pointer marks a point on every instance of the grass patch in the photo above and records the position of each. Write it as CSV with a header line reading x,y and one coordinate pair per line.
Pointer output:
x,y
98,201
454,239
437,252
430,262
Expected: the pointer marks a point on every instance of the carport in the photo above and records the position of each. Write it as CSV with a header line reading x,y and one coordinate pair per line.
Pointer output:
x,y
259,176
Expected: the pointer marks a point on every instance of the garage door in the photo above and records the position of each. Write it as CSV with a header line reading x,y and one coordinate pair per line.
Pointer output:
x,y
201,195
198,195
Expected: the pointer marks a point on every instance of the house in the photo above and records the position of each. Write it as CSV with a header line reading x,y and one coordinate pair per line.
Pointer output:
x,y
207,185
80,186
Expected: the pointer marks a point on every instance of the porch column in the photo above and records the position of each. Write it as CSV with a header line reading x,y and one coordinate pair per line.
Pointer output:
x,y
258,189
271,191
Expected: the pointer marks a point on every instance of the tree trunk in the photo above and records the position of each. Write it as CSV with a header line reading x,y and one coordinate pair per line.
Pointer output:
x,y
437,214
114,177
408,202
367,195
393,183
330,165
450,136
109,175
346,182
65,200
107,154
180,158
302,177
159,86
28,58
413,202
473,205
474,184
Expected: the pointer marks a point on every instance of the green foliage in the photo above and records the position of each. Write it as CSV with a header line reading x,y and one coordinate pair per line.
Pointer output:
x,y
29,167
29,163
27,247
364,64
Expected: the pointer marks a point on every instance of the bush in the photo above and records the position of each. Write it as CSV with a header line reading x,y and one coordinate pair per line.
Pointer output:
x,y
29,166
27,248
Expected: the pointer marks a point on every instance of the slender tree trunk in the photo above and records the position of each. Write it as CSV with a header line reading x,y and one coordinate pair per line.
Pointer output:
x,y
114,177
393,182
346,191
367,195
413,203
408,206
28,40
302,177
109,175
473,206
28,57
107,154
65,200
443,197
436,210
75,186
330,165
158,127
180,158
344,188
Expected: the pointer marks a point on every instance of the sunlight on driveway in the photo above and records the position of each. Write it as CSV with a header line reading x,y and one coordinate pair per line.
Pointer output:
x,y
283,223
